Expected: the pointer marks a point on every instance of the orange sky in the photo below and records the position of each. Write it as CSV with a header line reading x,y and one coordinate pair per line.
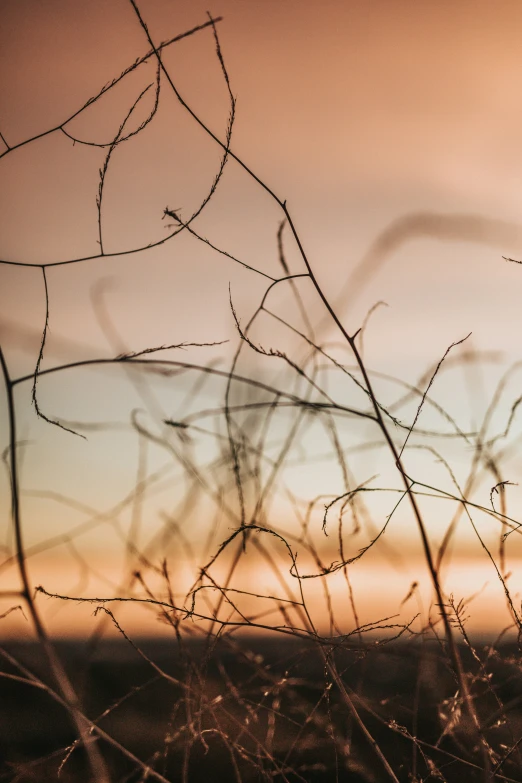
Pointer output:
x,y
359,114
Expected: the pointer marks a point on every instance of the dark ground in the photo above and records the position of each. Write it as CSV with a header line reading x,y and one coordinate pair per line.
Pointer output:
x,y
259,710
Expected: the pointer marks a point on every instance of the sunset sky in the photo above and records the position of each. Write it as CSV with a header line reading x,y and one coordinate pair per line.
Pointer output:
x,y
393,130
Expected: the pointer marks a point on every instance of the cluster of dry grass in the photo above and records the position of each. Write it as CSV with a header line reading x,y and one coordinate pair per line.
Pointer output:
x,y
267,668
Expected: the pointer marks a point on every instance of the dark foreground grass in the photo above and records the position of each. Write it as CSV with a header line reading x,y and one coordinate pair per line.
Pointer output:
x,y
259,709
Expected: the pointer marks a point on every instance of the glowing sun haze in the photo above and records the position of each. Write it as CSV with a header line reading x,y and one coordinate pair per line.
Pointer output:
x,y
392,129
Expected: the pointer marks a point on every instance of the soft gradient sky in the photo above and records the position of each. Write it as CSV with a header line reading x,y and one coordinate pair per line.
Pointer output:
x,y
368,117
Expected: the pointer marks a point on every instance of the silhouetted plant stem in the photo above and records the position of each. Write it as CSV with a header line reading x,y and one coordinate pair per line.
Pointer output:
x,y
62,681
351,342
